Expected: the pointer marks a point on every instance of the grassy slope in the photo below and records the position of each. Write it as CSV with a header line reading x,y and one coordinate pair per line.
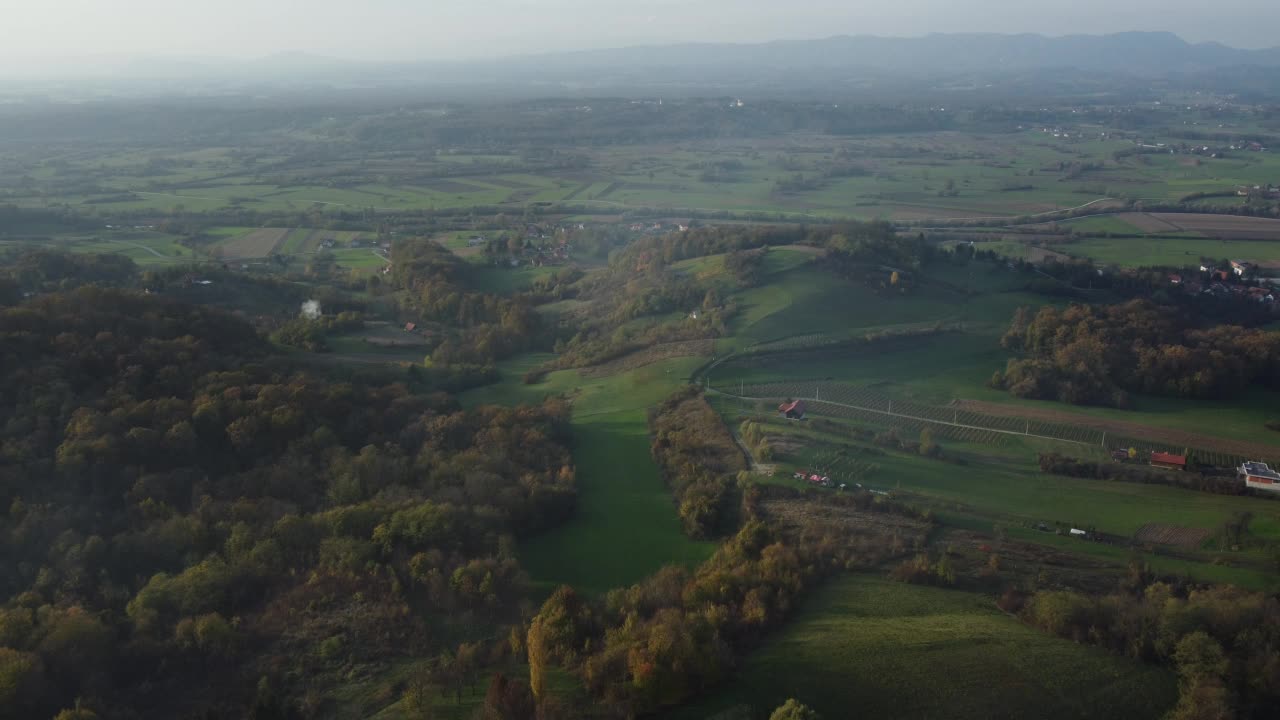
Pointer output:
x,y
625,526
867,647
939,369
1003,485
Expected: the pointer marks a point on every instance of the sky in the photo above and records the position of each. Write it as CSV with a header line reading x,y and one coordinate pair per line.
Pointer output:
x,y
62,30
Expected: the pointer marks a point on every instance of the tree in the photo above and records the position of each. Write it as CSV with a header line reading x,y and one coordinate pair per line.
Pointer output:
x,y
416,700
1199,658
928,447
21,675
793,709
537,648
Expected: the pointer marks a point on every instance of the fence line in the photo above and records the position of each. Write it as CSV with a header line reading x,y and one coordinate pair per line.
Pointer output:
x,y
890,413
1000,425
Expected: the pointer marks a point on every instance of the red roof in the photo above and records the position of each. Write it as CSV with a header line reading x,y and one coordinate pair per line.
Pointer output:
x,y
1168,458
793,406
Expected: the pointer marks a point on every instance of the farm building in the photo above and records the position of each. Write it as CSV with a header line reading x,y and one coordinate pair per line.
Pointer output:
x,y
1259,476
1168,461
1240,267
793,410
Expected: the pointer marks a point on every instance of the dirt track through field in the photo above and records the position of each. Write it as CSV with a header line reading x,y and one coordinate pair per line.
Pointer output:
x,y
1124,428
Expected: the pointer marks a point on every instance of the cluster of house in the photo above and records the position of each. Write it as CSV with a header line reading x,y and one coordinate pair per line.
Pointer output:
x,y
1268,191
657,228
1220,282
816,479
1202,150
1257,475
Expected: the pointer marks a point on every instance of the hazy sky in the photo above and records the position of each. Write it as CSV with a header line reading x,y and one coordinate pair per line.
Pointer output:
x,y
439,29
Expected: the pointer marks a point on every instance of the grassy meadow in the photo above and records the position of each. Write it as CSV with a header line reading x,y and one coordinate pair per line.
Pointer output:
x,y
625,526
863,646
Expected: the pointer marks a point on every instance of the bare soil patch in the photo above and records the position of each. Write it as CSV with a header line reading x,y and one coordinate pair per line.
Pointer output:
x,y
1125,428
648,356
1224,226
1037,254
1147,222
1171,535
820,516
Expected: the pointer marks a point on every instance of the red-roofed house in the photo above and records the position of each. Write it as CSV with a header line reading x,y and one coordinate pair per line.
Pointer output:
x,y
1168,461
793,410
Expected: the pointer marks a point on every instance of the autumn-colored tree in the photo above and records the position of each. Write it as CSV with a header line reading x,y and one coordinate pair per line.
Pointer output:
x,y
539,660
793,709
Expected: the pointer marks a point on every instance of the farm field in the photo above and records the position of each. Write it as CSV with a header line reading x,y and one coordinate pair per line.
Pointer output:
x,y
144,248
994,423
940,369
255,244
1007,482
1000,484
1169,252
625,526
875,648
1223,226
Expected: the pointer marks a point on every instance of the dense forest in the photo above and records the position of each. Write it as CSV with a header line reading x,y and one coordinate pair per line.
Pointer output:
x,y
194,527
1100,354
1223,641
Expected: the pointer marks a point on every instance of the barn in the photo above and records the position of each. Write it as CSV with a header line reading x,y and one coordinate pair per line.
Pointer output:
x,y
1168,461
793,410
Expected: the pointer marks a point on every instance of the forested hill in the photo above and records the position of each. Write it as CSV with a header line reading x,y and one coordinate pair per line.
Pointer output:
x,y
191,527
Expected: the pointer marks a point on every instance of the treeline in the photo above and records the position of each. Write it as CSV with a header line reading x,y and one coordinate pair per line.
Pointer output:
x,y
191,528
680,632
1099,354
699,461
1071,467
1221,640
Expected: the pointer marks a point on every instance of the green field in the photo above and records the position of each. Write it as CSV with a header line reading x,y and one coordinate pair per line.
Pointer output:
x,y
935,370
504,280
625,526
867,647
1174,252
1101,224
143,247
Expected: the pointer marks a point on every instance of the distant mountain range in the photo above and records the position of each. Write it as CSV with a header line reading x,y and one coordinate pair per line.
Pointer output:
x,y
1085,63
1142,53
